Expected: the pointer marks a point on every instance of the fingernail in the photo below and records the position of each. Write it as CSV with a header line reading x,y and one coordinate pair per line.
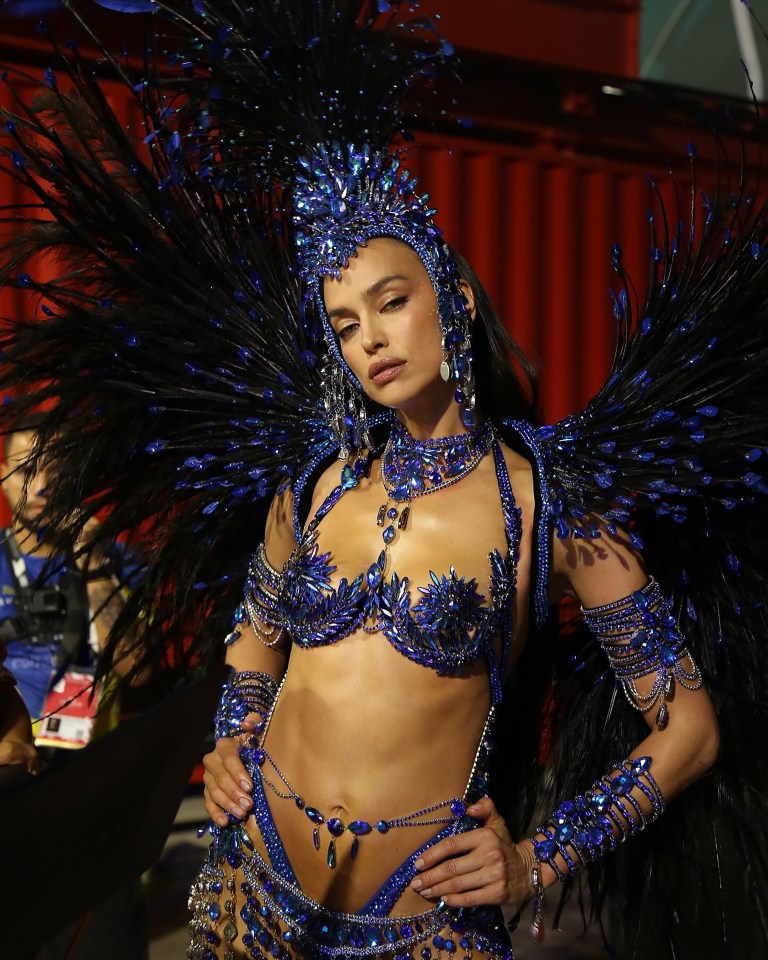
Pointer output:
x,y
416,884
245,785
245,806
427,892
419,863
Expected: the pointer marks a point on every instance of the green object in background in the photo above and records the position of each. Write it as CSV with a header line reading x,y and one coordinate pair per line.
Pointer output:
x,y
701,43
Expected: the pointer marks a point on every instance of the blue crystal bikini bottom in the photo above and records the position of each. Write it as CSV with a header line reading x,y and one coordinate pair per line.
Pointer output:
x,y
245,907
265,913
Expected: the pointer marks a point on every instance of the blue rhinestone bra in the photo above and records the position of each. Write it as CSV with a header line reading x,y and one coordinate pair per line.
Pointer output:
x,y
447,629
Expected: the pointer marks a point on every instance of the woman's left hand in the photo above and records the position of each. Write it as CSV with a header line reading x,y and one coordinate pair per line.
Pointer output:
x,y
480,867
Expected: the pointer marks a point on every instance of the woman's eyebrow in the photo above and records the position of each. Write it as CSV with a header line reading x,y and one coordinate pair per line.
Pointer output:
x,y
367,294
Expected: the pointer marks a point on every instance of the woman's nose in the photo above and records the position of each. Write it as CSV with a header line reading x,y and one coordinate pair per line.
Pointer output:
x,y
374,336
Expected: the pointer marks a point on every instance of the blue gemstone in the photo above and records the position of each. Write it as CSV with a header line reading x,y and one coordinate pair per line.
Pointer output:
x,y
621,784
314,815
355,845
390,934
373,576
468,417
389,534
372,936
214,911
335,826
359,827
348,478
579,839
356,937
450,946
641,765
406,931
545,849
458,808
392,513
595,836
668,656
565,832
601,802
382,826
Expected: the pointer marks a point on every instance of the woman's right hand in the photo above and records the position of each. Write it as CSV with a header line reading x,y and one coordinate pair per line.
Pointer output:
x,y
227,785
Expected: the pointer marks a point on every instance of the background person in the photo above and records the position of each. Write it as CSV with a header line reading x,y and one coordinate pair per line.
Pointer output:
x,y
56,613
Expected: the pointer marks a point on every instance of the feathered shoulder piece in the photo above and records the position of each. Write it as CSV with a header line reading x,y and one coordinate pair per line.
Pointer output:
x,y
174,346
674,449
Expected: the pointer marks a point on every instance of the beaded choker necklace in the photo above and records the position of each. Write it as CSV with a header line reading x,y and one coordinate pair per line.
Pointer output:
x,y
414,468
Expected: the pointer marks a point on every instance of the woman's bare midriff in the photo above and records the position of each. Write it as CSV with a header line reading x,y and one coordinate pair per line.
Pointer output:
x,y
360,732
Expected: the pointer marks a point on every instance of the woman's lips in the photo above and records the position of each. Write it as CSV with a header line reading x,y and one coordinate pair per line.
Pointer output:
x,y
386,373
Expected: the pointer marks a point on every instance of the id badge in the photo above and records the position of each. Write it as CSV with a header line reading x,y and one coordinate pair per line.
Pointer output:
x,y
69,711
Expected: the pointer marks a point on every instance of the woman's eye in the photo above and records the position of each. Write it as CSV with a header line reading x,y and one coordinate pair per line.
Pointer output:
x,y
345,332
395,303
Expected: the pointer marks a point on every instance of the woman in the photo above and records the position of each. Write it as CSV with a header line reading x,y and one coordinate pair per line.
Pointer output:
x,y
268,186
365,729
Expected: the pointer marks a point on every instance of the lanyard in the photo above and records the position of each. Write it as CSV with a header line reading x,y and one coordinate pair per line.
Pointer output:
x,y
18,565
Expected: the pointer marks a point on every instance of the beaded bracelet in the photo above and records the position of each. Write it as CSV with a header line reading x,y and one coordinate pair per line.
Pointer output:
x,y
245,691
640,636
581,830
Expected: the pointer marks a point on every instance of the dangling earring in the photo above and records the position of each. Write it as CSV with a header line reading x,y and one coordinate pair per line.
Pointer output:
x,y
344,408
457,365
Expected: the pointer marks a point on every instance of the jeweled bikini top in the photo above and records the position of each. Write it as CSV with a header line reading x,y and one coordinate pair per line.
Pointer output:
x,y
447,629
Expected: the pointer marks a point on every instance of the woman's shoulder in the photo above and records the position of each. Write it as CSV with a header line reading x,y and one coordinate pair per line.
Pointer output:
x,y
279,534
520,475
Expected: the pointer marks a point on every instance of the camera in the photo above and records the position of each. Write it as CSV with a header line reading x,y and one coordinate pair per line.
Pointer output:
x,y
45,603
41,614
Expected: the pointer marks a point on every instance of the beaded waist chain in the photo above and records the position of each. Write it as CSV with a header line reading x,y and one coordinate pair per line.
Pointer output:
x,y
257,761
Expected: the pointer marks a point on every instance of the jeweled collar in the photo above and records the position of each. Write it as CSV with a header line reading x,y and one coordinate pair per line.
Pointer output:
x,y
413,468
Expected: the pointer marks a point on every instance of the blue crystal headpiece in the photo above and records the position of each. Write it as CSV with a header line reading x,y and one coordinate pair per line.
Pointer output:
x,y
345,196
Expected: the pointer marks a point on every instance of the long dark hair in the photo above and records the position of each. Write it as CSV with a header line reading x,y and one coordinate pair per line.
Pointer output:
x,y
506,384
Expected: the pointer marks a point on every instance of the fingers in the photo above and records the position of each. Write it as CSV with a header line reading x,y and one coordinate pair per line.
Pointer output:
x,y
447,867
227,784
14,752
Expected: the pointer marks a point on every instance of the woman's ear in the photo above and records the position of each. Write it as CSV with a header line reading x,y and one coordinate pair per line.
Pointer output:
x,y
469,297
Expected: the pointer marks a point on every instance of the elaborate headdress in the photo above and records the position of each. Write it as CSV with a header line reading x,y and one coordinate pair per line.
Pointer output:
x,y
345,196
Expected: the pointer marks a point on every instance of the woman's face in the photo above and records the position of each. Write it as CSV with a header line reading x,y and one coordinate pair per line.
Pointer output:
x,y
383,310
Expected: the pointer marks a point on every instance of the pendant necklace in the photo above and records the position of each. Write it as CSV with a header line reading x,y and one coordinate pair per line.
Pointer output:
x,y
415,468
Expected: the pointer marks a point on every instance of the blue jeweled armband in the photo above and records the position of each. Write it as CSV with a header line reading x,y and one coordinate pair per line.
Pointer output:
x,y
640,636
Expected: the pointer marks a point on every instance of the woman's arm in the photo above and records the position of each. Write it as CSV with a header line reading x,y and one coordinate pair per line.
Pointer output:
x,y
258,655
484,866
683,734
